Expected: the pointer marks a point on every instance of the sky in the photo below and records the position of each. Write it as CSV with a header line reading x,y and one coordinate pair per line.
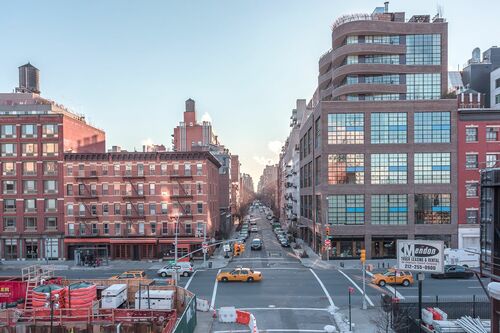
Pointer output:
x,y
130,65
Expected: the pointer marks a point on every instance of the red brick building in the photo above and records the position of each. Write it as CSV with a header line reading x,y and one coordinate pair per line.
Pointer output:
x,y
34,134
127,203
478,148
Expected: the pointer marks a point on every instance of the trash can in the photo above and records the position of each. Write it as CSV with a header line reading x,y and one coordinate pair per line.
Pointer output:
x,y
209,264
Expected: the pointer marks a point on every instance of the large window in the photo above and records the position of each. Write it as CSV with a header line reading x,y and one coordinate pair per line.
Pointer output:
x,y
8,168
471,134
29,149
432,168
345,128
389,209
28,131
346,169
346,209
382,39
471,189
423,49
50,149
472,216
471,161
389,168
7,131
382,59
9,149
433,208
388,127
9,187
492,133
432,127
423,86
50,130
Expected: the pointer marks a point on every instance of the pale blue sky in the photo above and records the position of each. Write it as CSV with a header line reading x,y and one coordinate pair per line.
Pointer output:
x,y
129,65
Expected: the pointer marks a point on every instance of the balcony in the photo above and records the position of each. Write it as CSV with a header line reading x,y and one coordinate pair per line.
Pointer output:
x,y
137,216
181,196
91,175
129,175
179,176
86,217
133,195
86,196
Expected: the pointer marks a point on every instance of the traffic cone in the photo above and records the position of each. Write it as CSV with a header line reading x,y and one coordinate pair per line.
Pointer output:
x,y
214,314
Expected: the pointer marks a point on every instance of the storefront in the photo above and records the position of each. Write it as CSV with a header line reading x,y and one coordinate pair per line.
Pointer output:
x,y
384,247
31,246
134,249
346,248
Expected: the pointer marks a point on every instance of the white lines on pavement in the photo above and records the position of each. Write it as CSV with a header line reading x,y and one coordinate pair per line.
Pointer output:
x,y
324,289
256,258
285,309
475,287
357,287
296,330
189,281
279,268
391,289
214,292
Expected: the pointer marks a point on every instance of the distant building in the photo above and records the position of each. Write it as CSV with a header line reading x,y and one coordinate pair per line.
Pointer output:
x,y
247,189
268,186
495,89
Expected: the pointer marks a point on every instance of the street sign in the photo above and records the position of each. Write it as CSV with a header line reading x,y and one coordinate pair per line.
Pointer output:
x,y
420,255
204,245
227,248
351,290
328,243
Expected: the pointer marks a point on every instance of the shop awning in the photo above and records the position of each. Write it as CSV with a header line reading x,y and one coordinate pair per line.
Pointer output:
x,y
182,241
86,240
133,241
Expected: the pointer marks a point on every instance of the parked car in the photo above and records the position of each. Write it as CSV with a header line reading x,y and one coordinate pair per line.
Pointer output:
x,y
184,269
453,272
393,277
240,274
254,229
284,243
256,244
129,275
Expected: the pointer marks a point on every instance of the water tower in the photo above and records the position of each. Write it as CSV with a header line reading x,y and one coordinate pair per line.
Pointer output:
x,y
29,79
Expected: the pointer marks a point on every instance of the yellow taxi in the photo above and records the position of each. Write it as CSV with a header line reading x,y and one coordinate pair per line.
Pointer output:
x,y
393,276
129,275
240,274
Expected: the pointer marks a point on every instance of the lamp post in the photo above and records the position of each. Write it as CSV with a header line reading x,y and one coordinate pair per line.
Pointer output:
x,y
176,279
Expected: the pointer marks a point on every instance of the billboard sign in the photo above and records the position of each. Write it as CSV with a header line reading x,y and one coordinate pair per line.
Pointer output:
x,y
420,255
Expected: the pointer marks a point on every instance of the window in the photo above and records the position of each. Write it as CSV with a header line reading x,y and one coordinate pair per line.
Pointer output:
x,y
381,39
95,229
69,189
128,209
105,209
389,168
93,209
471,134
28,131
163,169
8,168
50,222
497,99
152,209
82,229
141,228
29,149
104,170
50,130
116,169
81,210
117,209
199,188
423,49
471,161
432,168
199,207
432,127
71,229
199,169
105,228
346,169
390,209
176,169
152,189
381,79
9,150
140,189
50,186
29,187
29,168
471,216
9,223
346,209
497,83
93,190
187,169
9,187
491,160
69,170
50,149
105,189
11,249
351,40
50,205
492,133
345,128
188,229
317,170
50,168
7,131
164,228
164,208
9,205
317,135
433,208
30,205
140,209
423,86
388,127
140,170
69,210
351,59
152,169
471,190
118,229
392,59
30,223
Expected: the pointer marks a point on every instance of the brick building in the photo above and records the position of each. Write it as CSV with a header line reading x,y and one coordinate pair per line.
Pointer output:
x,y
235,184
35,133
128,203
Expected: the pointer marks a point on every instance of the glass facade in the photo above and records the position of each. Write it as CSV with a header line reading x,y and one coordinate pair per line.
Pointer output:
x,y
388,127
346,128
346,209
432,127
433,208
389,209
382,59
423,49
432,168
346,169
389,168
423,86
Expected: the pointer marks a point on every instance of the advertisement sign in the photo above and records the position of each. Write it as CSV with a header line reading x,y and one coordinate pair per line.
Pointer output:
x,y
420,255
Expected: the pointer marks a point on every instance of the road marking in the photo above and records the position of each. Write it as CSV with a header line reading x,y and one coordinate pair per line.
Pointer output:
x,y
475,287
214,292
298,330
285,309
391,289
189,281
265,258
357,287
324,289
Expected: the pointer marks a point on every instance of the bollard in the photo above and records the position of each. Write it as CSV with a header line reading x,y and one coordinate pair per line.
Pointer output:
x,y
342,264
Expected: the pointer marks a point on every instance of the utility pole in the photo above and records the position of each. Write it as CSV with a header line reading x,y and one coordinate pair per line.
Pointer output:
x,y
204,242
363,261
175,255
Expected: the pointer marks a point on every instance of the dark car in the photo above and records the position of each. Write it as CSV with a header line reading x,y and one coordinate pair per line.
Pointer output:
x,y
256,244
454,272
284,243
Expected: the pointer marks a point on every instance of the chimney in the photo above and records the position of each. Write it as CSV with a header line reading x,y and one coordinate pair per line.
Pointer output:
x,y
386,7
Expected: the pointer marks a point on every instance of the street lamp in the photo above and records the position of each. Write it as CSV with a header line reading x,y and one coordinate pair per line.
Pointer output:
x,y
176,279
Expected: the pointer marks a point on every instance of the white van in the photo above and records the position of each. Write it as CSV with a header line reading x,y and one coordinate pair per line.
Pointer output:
x,y
462,257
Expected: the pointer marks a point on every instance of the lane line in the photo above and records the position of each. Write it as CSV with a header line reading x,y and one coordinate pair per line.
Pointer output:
x,y
391,289
214,292
324,289
357,287
286,309
189,281
297,330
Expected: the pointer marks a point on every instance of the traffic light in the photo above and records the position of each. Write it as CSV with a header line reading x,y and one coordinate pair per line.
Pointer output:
x,y
363,256
327,231
236,249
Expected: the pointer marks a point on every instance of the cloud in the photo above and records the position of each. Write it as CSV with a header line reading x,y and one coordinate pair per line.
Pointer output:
x,y
275,146
206,117
147,142
261,160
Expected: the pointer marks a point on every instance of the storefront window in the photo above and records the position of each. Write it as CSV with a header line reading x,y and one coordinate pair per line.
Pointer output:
x,y
346,248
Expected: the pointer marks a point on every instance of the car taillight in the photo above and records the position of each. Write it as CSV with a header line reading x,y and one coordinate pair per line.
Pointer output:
x,y
191,269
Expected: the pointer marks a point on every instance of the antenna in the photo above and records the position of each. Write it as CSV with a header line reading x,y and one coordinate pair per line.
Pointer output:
x,y
440,10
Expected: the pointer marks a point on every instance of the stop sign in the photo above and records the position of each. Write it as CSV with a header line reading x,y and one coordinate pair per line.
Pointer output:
x,y
328,242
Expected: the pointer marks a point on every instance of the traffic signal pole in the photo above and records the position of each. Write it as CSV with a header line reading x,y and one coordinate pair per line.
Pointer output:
x,y
363,261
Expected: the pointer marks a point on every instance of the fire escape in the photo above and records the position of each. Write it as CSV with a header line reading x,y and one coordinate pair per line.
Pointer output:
x,y
182,193
133,192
